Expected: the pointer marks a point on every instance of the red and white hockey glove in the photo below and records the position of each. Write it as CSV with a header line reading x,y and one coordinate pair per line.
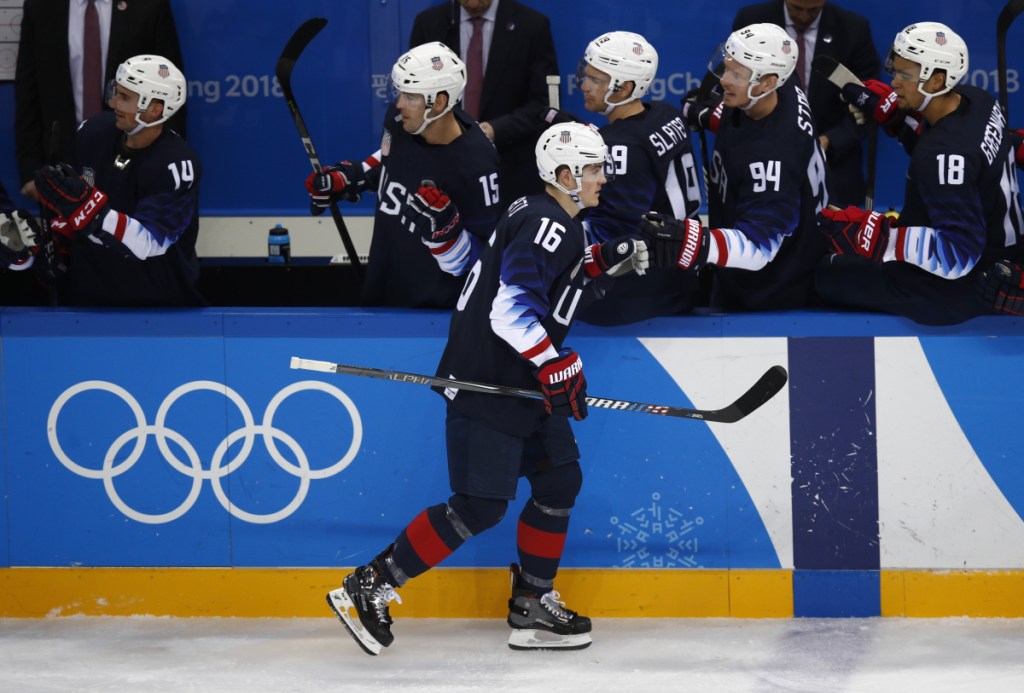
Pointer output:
x,y
431,214
343,181
701,114
672,242
874,98
66,194
1017,142
18,233
564,387
616,257
1001,287
854,231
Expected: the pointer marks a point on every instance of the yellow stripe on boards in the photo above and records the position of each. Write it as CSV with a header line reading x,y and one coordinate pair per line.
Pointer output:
x,y
935,594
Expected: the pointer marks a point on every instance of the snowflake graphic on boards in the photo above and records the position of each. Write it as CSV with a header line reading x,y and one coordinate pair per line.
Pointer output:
x,y
656,536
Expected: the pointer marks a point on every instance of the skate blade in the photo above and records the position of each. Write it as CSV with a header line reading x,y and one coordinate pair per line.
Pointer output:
x,y
340,604
532,639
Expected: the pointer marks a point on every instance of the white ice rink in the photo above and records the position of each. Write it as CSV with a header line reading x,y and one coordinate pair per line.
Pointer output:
x,y
433,655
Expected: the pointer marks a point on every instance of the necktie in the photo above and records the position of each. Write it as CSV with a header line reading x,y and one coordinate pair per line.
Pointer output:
x,y
92,68
801,63
475,69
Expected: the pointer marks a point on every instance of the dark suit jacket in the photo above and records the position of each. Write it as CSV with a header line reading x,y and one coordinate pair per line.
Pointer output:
x,y
846,37
42,82
515,92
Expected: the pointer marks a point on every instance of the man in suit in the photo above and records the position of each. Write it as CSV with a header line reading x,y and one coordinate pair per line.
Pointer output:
x,y
822,28
518,54
48,76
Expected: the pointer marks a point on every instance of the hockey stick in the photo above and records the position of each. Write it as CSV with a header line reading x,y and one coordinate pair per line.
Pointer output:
x,y
1006,17
840,75
285,64
766,387
53,265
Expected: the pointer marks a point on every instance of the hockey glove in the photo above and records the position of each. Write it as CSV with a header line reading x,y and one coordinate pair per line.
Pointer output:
x,y
854,231
873,98
431,214
1001,287
564,387
18,231
701,114
343,181
555,116
1017,143
616,257
66,194
681,243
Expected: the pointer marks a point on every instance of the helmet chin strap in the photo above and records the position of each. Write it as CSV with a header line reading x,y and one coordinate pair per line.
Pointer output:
x,y
574,194
753,99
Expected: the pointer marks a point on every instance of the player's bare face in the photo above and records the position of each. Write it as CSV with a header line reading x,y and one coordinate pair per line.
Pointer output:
x,y
734,80
593,85
412,108
906,76
592,181
125,104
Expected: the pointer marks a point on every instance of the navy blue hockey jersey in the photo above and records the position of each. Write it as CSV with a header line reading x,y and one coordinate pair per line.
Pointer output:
x,y
516,308
652,169
961,206
154,195
401,271
765,189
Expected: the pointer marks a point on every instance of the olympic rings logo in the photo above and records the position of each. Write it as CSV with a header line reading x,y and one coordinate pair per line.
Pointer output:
x,y
194,467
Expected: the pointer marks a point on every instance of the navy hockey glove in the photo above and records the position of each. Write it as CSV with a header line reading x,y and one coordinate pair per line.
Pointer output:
x,y
1017,142
874,98
616,257
702,113
1001,287
672,242
18,232
66,194
854,231
431,214
564,387
343,181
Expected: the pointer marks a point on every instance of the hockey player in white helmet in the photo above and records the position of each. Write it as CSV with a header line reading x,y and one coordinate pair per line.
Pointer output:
x,y
765,187
652,169
509,328
129,215
961,206
436,179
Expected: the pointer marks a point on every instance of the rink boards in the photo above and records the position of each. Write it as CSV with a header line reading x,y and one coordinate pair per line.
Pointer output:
x,y
173,463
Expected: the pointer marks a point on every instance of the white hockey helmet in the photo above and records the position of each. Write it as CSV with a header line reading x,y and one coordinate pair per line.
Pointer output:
x,y
153,77
576,145
765,49
429,69
933,46
624,57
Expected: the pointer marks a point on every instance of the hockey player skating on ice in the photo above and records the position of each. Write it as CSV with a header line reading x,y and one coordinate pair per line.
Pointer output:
x,y
436,181
652,169
129,211
961,208
765,187
508,328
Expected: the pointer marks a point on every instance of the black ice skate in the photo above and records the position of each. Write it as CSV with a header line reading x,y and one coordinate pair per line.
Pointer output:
x,y
368,593
543,623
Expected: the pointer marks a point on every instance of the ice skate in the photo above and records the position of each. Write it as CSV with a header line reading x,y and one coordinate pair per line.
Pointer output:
x,y
366,592
543,623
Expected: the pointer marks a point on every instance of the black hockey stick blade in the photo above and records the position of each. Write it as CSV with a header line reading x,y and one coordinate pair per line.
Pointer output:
x,y
1009,13
283,71
766,387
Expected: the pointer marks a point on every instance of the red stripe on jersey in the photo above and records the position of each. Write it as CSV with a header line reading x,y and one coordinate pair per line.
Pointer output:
x,y
122,224
723,249
425,540
901,243
445,248
537,542
539,349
